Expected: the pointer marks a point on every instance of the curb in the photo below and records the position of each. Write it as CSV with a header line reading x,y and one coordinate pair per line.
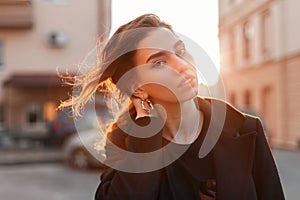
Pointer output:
x,y
15,157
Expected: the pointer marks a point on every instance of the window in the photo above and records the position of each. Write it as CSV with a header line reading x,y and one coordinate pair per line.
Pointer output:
x,y
1,116
1,55
265,93
246,40
266,34
232,99
58,2
231,55
34,114
267,101
247,99
231,2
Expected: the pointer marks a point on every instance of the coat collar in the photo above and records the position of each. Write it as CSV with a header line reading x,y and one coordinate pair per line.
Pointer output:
x,y
233,152
221,114
221,119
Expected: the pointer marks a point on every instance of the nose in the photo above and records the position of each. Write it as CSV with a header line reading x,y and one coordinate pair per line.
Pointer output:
x,y
179,64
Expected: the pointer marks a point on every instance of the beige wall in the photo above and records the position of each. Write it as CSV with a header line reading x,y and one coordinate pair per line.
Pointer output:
x,y
78,20
268,106
293,98
284,24
18,99
291,28
27,50
254,20
280,71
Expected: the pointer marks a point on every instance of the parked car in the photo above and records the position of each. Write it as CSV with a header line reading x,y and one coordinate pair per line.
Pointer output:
x,y
80,135
77,150
64,126
88,141
61,128
5,141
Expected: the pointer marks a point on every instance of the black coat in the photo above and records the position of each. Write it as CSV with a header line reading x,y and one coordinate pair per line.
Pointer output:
x,y
244,168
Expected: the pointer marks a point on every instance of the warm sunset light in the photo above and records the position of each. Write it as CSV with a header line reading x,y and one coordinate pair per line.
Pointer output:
x,y
197,20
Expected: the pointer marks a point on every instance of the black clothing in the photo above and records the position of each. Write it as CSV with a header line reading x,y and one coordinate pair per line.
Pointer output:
x,y
239,166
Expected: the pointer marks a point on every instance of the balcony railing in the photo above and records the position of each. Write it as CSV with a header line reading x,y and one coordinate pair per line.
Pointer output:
x,y
16,14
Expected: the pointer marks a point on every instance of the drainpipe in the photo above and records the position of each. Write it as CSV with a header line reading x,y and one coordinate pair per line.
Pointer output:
x,y
283,73
104,19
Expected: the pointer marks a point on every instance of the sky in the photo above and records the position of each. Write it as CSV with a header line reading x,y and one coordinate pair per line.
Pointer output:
x,y
195,19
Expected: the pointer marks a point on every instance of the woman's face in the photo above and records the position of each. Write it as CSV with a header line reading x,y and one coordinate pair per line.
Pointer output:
x,y
165,70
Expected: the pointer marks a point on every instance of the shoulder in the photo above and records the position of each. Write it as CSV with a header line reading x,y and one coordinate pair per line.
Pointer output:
x,y
146,127
230,110
117,137
231,118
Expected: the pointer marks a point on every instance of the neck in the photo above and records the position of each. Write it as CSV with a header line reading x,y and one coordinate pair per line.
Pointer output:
x,y
179,119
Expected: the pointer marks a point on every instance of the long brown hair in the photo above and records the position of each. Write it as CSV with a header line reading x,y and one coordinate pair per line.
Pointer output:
x,y
113,62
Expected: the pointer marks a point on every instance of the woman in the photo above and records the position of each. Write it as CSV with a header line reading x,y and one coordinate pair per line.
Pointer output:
x,y
153,146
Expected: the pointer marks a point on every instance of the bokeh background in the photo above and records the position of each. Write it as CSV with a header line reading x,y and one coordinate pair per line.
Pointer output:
x,y
254,44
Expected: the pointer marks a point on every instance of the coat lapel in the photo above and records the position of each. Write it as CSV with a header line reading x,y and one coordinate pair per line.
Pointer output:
x,y
233,159
233,152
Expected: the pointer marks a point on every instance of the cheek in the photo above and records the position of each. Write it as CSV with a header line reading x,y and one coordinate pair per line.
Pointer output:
x,y
163,76
158,91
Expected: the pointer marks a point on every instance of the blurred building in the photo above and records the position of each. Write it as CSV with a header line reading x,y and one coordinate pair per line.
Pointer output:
x,y
260,63
37,37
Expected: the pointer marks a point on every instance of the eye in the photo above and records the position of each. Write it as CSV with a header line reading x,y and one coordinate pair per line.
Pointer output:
x,y
159,63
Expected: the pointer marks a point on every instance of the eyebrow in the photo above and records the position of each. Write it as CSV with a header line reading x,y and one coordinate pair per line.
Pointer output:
x,y
163,52
160,53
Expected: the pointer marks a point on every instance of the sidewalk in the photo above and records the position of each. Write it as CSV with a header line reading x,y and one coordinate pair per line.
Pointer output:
x,y
27,156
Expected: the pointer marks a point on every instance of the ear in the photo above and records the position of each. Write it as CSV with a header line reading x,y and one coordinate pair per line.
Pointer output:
x,y
140,93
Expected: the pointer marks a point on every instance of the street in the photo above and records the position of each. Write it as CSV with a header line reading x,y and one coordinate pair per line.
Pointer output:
x,y
47,182
55,181
289,170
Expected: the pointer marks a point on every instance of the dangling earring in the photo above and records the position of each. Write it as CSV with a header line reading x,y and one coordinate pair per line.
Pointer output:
x,y
145,108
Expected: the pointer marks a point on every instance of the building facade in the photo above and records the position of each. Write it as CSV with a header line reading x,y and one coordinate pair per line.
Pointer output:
x,y
37,38
260,63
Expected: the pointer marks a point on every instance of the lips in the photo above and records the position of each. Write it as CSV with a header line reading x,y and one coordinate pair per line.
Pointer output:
x,y
189,79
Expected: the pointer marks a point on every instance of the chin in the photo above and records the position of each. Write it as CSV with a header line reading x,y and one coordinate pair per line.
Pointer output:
x,y
182,95
189,95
